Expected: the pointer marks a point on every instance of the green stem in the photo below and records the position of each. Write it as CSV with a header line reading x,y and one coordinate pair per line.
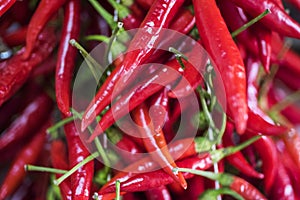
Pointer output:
x,y
44,169
203,144
118,187
106,15
100,38
285,102
94,66
223,127
76,167
123,11
108,54
250,23
60,124
212,194
178,56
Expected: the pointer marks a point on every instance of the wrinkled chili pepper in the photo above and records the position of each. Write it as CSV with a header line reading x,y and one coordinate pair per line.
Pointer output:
x,y
27,123
59,160
15,71
278,20
66,56
41,16
81,180
28,155
158,17
225,54
155,143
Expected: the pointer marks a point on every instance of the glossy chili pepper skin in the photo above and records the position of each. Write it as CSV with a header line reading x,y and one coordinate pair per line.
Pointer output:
x,y
155,143
81,180
237,159
66,56
23,127
28,155
292,141
14,72
139,50
277,20
42,15
160,193
225,54
59,160
5,5
137,95
264,45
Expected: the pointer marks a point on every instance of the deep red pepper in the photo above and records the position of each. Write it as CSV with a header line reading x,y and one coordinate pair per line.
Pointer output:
x,y
137,95
155,143
159,193
59,160
289,77
41,16
139,50
15,71
146,4
66,56
292,143
27,123
28,155
277,20
81,180
237,159
225,54
295,3
46,68
5,5
16,38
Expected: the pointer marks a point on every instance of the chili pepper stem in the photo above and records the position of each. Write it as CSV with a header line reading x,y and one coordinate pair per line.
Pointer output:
x,y
250,23
118,187
60,124
106,15
44,169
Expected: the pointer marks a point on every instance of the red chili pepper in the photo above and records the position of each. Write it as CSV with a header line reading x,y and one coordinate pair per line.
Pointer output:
x,y
155,143
158,17
266,149
292,141
289,78
66,56
28,155
282,187
16,38
295,3
195,188
237,159
41,16
137,95
5,5
81,180
23,127
225,54
159,193
15,71
277,20
59,159
44,69
146,4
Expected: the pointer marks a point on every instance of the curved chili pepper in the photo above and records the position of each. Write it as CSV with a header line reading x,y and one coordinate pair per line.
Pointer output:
x,y
66,56
278,20
237,159
137,95
266,149
289,78
15,71
158,17
159,193
282,188
59,159
16,38
292,141
41,16
35,113
225,54
28,155
155,143
5,5
81,180
146,4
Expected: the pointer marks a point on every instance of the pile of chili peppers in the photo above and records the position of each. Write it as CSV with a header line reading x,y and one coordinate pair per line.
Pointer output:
x,y
254,153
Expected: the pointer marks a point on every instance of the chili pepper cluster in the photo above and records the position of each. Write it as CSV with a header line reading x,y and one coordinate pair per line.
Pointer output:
x,y
253,154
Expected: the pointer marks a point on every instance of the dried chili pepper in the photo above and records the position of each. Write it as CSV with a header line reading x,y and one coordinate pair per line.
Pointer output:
x,y
15,71
28,155
155,143
41,16
225,54
66,56
140,48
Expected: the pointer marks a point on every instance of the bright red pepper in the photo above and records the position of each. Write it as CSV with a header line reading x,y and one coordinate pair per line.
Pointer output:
x,y
66,56
277,20
292,143
41,16
5,5
15,71
225,54
139,50
159,193
16,38
28,155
